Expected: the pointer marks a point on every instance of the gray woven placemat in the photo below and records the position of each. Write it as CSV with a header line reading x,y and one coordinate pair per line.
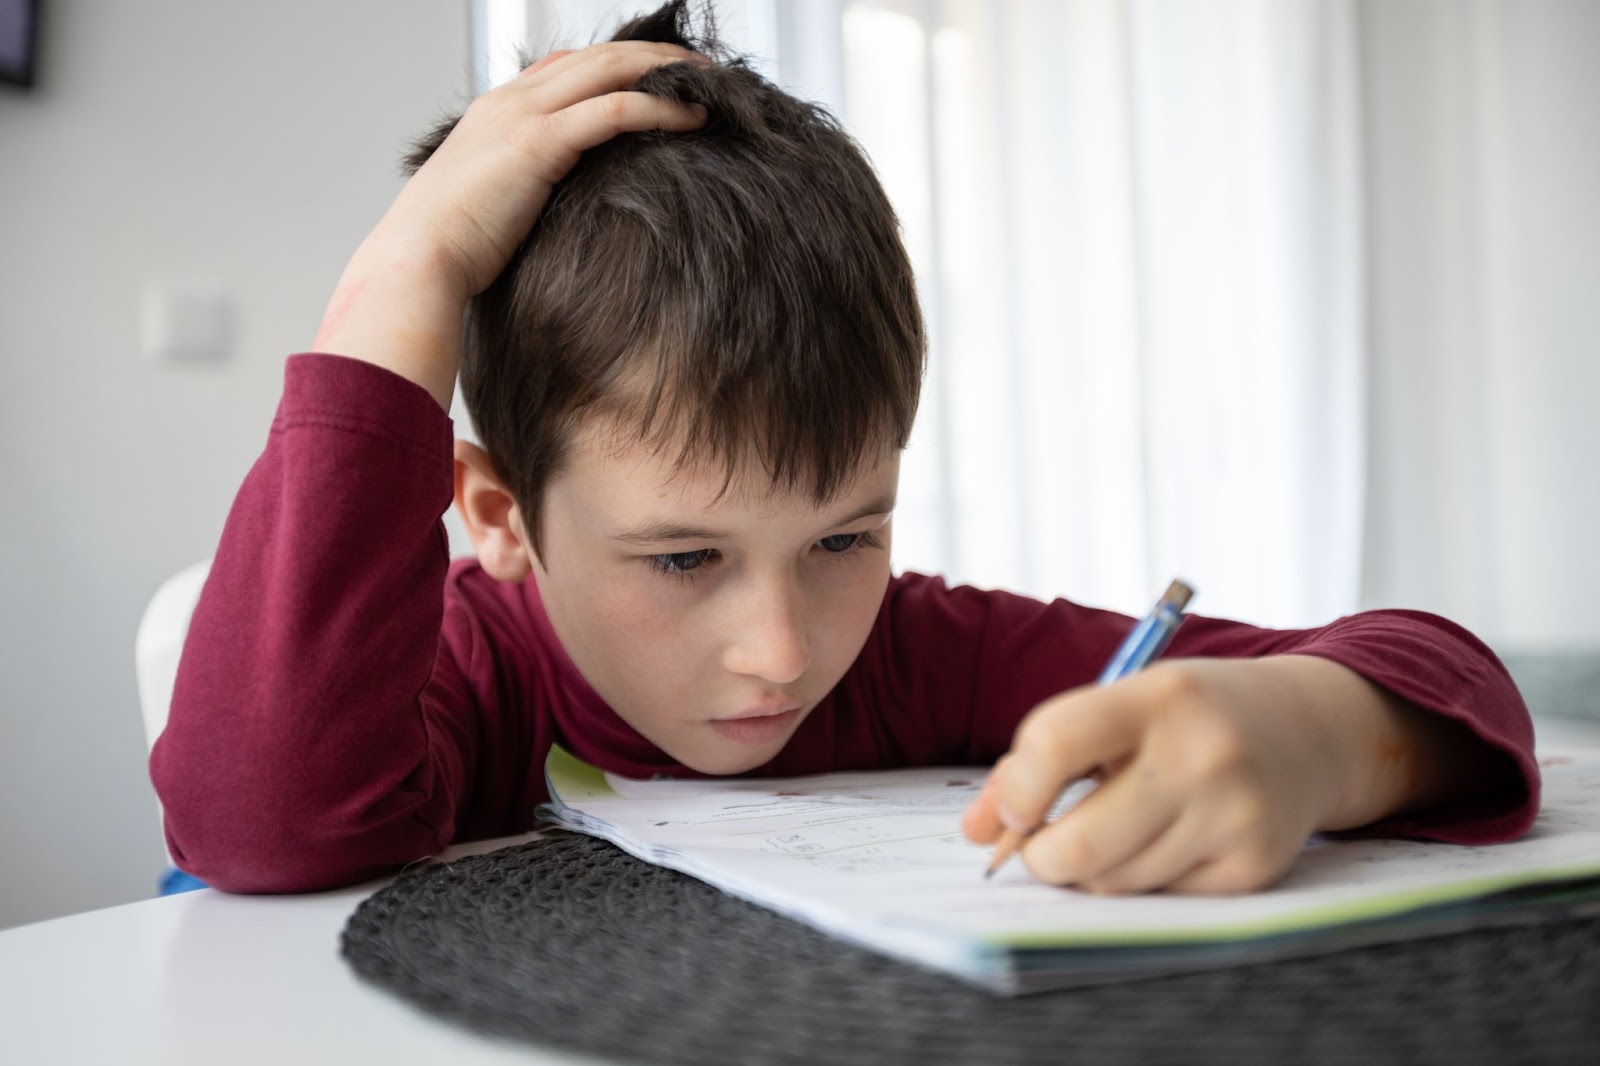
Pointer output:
x,y
570,942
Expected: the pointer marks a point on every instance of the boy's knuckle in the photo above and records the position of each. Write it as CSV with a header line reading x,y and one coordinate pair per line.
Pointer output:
x,y
1210,756
1031,735
1061,858
1178,685
1249,813
537,131
612,59
1222,879
1040,736
1214,750
545,144
614,108
1053,866
1252,867
503,105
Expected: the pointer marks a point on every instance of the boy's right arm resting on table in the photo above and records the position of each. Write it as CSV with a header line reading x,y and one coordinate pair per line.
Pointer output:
x,y
316,733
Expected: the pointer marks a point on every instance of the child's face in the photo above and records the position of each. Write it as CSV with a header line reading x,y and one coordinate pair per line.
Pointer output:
x,y
711,625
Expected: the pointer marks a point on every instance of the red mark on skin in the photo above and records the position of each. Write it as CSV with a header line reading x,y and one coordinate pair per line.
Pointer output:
x,y
1398,759
1555,760
344,298
958,784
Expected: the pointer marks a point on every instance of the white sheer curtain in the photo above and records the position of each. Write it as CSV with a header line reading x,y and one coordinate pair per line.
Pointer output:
x,y
1136,227
1485,341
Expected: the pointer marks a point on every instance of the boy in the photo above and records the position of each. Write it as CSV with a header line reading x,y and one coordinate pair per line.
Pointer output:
x,y
693,379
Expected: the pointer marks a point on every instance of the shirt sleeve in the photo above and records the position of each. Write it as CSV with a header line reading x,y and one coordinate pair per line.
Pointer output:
x,y
318,731
979,660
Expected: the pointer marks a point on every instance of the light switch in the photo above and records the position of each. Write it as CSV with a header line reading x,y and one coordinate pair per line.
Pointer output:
x,y
186,322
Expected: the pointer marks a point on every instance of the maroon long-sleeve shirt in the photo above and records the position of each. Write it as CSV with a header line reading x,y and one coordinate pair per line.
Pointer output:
x,y
349,700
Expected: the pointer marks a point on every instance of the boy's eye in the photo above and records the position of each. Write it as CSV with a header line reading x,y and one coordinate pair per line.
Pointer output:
x,y
681,562
840,542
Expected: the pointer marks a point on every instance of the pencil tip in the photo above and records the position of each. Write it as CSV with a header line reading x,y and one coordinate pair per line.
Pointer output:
x,y
988,875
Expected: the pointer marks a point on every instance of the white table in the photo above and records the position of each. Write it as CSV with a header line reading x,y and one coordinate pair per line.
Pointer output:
x,y
209,978
205,977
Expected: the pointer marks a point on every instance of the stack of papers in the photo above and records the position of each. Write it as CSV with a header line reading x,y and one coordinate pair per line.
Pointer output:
x,y
877,858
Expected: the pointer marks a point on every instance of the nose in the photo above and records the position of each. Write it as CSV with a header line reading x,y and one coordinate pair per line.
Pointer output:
x,y
769,636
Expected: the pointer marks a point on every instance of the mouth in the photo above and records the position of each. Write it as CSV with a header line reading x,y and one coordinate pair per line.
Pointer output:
x,y
759,725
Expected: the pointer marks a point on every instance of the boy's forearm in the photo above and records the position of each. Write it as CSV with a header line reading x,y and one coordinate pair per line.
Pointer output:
x,y
297,755
400,309
1393,756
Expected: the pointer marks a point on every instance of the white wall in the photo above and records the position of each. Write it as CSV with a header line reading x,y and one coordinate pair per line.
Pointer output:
x,y
251,144
1483,143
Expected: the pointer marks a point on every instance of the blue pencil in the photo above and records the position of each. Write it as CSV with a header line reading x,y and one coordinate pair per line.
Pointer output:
x,y
1150,637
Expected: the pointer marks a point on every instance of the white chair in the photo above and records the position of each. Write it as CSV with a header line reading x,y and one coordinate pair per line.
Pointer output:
x,y
156,648
159,642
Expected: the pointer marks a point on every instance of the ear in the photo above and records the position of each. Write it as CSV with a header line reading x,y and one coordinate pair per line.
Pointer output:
x,y
491,515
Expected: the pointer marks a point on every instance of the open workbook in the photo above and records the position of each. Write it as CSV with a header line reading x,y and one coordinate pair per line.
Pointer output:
x,y
877,858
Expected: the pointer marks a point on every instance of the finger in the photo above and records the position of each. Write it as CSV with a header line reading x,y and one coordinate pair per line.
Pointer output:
x,y
600,118
668,52
596,71
1243,869
1182,848
1061,740
1110,826
543,63
981,821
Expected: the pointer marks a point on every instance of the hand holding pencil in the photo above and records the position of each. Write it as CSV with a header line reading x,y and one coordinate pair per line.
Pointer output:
x,y
1139,648
1213,772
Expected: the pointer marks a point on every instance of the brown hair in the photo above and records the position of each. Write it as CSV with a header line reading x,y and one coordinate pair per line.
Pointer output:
x,y
739,291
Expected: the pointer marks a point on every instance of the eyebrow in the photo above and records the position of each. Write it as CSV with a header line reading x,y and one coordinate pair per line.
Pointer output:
x,y
660,531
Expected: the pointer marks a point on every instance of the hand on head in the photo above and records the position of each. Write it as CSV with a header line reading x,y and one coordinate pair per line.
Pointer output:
x,y
480,191
476,194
